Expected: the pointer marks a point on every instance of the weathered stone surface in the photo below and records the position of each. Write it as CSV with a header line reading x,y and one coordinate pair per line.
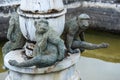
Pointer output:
x,y
67,74
18,56
42,6
9,2
53,12
63,70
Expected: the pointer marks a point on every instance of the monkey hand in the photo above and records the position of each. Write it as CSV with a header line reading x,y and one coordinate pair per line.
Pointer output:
x,y
103,45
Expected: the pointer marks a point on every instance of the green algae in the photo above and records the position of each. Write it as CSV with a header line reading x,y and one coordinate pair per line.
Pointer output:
x,y
111,54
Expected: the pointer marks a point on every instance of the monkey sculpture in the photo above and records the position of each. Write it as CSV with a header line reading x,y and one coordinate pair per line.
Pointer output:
x,y
73,35
49,47
14,35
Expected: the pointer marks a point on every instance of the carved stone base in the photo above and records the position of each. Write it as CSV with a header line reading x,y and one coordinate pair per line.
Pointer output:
x,y
67,74
64,70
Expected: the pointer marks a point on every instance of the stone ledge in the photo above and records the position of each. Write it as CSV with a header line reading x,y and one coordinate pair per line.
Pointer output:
x,y
15,55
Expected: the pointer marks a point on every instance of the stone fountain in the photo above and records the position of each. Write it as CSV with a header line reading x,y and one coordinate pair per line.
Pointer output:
x,y
39,47
31,11
64,70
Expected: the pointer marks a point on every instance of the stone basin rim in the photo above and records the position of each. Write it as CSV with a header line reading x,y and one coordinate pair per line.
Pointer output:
x,y
38,15
66,63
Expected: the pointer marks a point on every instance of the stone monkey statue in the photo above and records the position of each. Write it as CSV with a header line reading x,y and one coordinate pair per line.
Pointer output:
x,y
49,47
49,36
73,35
14,35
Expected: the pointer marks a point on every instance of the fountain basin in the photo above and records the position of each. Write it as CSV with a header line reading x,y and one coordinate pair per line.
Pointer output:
x,y
63,70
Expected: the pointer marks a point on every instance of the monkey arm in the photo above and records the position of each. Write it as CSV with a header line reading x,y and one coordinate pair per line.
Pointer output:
x,y
11,28
88,46
82,36
69,39
28,63
43,43
39,61
59,43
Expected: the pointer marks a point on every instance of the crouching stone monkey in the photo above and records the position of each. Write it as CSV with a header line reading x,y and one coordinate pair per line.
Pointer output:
x,y
14,35
73,35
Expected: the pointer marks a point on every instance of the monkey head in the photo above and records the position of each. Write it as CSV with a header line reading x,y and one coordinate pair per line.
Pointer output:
x,y
41,26
83,21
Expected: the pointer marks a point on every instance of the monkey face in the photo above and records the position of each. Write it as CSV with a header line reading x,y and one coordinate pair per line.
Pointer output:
x,y
84,24
42,27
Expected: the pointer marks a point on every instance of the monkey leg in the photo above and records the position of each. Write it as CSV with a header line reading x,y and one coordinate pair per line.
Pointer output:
x,y
89,46
12,46
61,50
44,59
39,61
59,43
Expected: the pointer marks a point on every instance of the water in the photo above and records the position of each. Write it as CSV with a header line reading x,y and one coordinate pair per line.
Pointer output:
x,y
97,69
112,53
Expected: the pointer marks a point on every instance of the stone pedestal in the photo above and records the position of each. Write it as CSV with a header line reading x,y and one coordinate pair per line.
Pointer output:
x,y
63,70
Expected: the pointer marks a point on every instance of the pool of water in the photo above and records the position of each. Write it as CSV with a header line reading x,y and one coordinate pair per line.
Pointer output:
x,y
111,54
